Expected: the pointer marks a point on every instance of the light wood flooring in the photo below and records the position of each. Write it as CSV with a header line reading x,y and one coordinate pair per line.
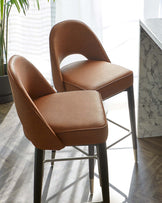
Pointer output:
x,y
68,181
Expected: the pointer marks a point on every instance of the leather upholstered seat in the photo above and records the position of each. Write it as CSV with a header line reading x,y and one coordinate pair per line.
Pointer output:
x,y
107,78
52,121
74,120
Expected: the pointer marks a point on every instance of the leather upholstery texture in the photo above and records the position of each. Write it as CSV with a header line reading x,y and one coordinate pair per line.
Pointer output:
x,y
76,117
54,120
27,84
107,78
96,73
72,37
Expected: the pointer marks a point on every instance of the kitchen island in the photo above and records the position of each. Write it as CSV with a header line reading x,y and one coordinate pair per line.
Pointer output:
x,y
149,121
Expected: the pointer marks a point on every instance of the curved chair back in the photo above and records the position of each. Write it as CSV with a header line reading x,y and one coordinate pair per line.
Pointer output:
x,y
72,37
28,84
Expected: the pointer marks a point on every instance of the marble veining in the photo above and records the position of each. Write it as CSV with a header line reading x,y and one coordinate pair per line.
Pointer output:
x,y
150,88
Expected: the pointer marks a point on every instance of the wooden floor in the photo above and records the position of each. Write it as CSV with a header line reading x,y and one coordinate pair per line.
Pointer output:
x,y
68,181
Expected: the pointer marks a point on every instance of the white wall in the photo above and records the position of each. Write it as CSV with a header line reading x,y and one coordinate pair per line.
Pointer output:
x,y
152,9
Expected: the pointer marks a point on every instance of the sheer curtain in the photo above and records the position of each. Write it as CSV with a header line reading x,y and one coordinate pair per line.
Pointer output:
x,y
29,35
88,11
121,32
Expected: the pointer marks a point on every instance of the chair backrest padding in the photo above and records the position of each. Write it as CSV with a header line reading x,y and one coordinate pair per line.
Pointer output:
x,y
72,37
28,84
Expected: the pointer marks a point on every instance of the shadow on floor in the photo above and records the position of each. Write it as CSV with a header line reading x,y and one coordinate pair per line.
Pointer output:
x,y
4,109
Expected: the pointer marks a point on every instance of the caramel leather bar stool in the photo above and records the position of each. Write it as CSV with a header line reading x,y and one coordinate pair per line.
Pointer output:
x,y
52,121
95,73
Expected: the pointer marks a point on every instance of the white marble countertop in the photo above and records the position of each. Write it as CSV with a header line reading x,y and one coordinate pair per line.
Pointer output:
x,y
153,27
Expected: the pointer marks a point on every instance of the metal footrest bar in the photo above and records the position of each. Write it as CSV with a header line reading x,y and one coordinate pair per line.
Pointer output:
x,y
77,148
118,140
69,159
120,126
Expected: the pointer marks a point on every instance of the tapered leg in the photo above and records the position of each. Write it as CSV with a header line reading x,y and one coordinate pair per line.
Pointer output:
x,y
103,168
38,174
132,119
53,153
91,168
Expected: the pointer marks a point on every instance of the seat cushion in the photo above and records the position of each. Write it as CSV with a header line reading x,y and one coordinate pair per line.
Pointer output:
x,y
77,117
107,78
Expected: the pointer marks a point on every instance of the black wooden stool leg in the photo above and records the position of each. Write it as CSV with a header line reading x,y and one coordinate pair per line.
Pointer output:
x,y
53,153
38,174
91,168
103,168
132,119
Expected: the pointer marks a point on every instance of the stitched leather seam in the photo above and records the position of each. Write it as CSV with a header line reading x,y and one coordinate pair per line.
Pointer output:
x,y
88,129
114,81
72,84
